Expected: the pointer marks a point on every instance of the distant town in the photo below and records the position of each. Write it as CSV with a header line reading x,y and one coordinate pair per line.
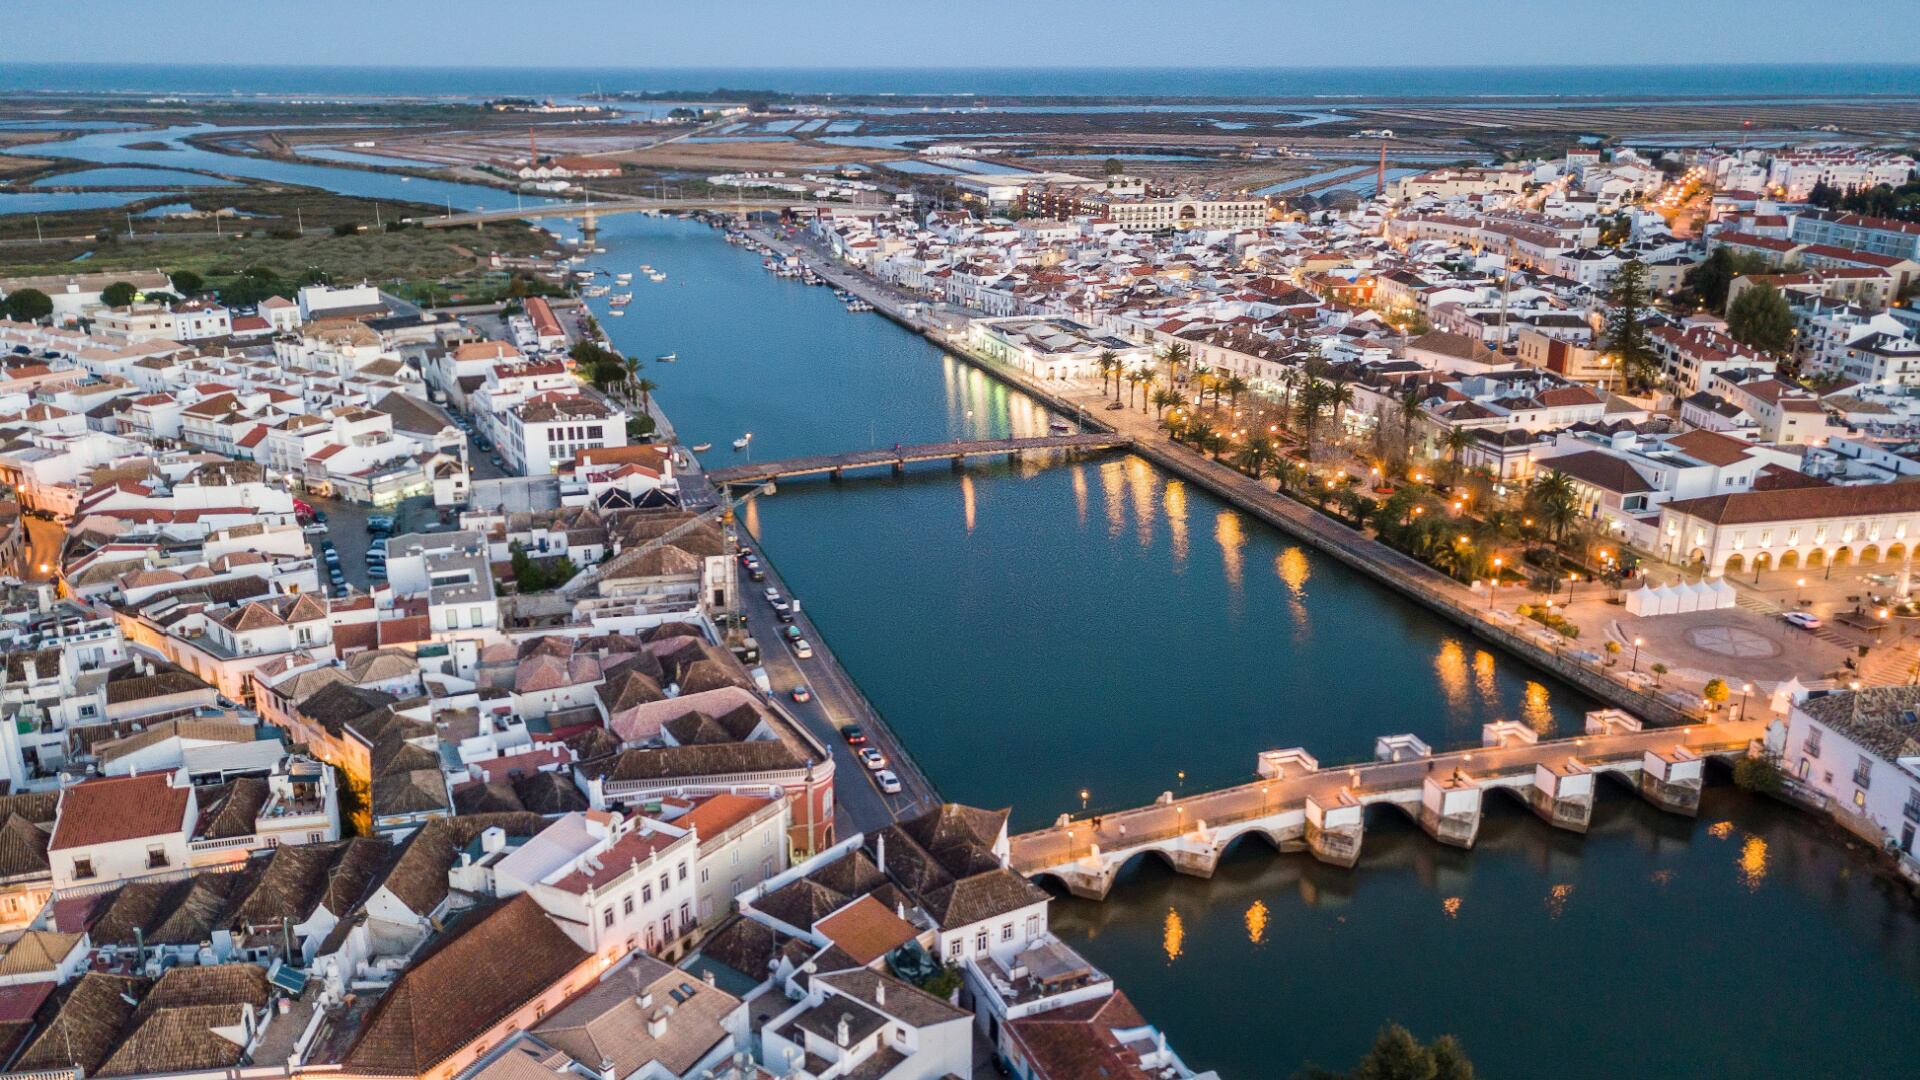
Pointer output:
x,y
391,689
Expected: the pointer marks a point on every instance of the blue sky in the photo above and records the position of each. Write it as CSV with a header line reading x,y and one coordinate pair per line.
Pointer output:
x,y
907,33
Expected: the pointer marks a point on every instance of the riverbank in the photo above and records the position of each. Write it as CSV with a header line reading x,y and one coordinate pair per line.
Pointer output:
x,y
1412,579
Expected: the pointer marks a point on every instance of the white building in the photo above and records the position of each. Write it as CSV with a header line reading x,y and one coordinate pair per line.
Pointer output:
x,y
1860,751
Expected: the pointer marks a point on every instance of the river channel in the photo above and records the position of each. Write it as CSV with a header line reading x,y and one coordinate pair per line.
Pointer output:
x,y
1035,631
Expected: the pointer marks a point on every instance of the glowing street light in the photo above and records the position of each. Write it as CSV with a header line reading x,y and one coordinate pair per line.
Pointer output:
x,y
1637,642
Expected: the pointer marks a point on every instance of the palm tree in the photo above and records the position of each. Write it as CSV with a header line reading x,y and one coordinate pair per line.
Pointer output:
x,y
1290,382
1109,361
1148,380
1164,399
1253,457
1174,355
1410,398
1313,396
1456,441
1133,383
1340,396
1235,386
645,388
1555,501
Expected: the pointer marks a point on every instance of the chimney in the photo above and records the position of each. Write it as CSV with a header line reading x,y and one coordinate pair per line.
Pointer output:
x,y
657,1025
880,992
32,670
841,1034
646,999
708,976
880,852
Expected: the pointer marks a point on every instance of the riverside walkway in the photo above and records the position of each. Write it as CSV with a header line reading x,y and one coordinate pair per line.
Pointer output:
x,y
1297,804
900,457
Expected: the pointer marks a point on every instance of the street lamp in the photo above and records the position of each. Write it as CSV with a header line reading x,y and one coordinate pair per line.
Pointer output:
x,y
1493,582
1746,691
1637,642
1083,800
1799,591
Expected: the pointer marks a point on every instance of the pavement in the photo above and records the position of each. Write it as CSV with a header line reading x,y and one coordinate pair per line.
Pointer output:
x,y
836,704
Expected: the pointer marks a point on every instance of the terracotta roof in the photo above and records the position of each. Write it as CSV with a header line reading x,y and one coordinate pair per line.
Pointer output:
x,y
866,930
1712,447
493,962
119,808
1802,503
1079,1040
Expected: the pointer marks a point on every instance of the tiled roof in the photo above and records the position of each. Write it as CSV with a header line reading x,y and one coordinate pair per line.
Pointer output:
x,y
119,808
492,963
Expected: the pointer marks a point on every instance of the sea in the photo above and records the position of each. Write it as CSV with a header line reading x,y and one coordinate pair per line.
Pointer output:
x,y
1326,84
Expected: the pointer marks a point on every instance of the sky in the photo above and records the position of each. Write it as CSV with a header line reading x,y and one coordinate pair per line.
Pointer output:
x,y
976,33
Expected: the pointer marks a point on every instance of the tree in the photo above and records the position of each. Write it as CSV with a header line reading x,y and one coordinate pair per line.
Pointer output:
x,y
1715,692
1614,649
1659,672
1234,385
1109,362
1175,355
186,282
1759,774
28,305
1253,458
1164,399
1626,332
1455,442
1761,318
1148,380
1708,283
1114,166
1133,384
1397,1055
1555,501
118,294
645,388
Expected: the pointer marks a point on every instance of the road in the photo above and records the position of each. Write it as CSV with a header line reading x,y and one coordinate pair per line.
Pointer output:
x,y
836,703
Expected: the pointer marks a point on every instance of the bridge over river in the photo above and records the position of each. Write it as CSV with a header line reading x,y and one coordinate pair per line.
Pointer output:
x,y
1298,805
589,213
899,457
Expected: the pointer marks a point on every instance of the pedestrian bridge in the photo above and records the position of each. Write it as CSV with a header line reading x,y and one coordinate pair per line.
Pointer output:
x,y
1296,804
899,457
589,213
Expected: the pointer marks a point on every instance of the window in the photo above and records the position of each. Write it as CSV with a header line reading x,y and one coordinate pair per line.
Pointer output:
x,y
686,913
665,884
156,856
1006,932
606,919
683,871
1860,800
703,875
1812,745
1912,809
646,894
980,940
953,949
626,906
1863,773
82,869
273,841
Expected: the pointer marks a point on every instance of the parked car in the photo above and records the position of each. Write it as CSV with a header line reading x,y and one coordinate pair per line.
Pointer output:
x,y
791,632
889,783
1805,620
772,595
854,735
803,649
756,574
801,694
873,759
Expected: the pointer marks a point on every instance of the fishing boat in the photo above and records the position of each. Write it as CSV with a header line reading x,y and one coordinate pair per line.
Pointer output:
x,y
620,299
666,358
741,442
859,305
702,447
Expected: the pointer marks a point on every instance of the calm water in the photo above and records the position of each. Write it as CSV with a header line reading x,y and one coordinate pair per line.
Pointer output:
x,y
53,202
131,178
1034,632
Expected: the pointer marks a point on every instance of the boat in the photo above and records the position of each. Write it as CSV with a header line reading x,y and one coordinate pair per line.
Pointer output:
x,y
1059,427
620,299
741,442
599,251
656,276
666,358
859,305
617,313
702,447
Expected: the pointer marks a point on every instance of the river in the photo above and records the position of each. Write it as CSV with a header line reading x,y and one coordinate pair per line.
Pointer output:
x,y
1034,631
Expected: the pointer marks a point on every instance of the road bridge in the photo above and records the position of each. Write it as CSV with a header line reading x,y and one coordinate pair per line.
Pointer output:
x,y
899,457
590,213
1296,804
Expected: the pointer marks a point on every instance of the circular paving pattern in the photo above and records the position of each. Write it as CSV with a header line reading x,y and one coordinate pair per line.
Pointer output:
x,y
1735,641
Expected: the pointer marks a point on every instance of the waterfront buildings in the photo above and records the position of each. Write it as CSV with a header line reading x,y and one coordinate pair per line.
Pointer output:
x,y
1857,754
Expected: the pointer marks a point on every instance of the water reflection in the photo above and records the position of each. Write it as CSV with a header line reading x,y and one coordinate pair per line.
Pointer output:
x,y
1557,898
1483,678
1257,922
1140,483
1450,665
1539,708
1174,497
1173,935
1227,533
967,500
1753,862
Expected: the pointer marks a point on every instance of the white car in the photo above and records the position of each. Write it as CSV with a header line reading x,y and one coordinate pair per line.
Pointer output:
x,y
873,759
888,782
1805,620
773,596
803,649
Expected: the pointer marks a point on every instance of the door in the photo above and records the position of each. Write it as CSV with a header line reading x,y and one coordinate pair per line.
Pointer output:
x,y
1906,838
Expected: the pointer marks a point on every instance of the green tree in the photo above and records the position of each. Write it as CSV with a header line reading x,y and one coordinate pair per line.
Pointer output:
x,y
118,294
1397,1055
1759,774
1626,329
1761,318
1708,283
186,282
1456,442
28,305
1555,501
1164,399
1234,385
1173,356
1109,363
1659,672
1114,166
1148,380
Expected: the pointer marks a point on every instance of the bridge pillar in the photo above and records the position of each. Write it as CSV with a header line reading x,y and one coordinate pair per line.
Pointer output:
x,y
899,468
1088,882
1195,854
959,463
1400,748
1505,733
1450,808
1671,779
834,475
1335,829
1562,794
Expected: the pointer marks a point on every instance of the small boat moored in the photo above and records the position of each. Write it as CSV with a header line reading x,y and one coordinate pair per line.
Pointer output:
x,y
701,448
741,442
666,358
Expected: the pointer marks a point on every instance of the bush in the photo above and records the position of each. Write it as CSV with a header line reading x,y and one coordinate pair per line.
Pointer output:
x,y
1759,774
28,305
1550,619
